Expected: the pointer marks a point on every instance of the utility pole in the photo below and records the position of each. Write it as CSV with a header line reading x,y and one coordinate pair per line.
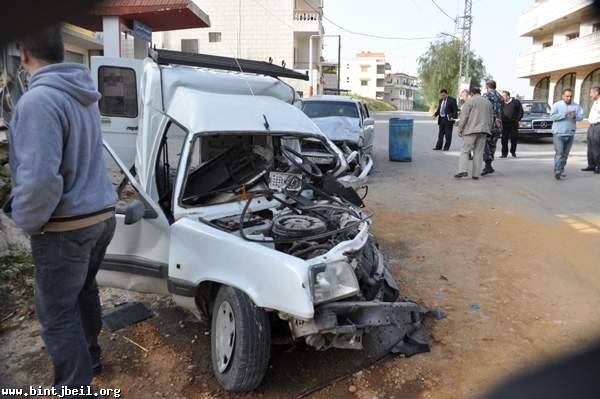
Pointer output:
x,y
465,47
339,68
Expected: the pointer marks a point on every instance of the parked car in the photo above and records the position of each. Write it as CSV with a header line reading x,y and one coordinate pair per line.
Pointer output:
x,y
224,212
536,121
347,123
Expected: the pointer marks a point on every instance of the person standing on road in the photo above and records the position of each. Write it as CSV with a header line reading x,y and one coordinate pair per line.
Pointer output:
x,y
446,112
63,197
498,107
593,134
564,113
511,115
474,126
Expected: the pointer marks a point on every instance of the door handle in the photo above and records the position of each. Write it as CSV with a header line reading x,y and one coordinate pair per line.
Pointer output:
x,y
105,120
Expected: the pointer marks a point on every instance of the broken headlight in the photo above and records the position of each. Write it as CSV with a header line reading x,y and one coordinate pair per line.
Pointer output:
x,y
331,281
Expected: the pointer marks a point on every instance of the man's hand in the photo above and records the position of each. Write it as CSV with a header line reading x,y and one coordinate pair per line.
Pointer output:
x,y
460,133
571,115
498,124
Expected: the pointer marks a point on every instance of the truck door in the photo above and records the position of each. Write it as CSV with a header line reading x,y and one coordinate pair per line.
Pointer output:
x,y
118,80
137,257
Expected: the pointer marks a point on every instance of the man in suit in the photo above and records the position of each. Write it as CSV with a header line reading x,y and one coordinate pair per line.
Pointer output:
x,y
446,113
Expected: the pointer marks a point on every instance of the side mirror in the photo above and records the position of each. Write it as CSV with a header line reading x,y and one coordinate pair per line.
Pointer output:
x,y
369,122
134,211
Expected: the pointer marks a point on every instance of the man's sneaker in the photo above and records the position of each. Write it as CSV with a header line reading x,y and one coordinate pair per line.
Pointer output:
x,y
512,154
475,178
461,175
589,169
487,170
557,175
96,369
503,156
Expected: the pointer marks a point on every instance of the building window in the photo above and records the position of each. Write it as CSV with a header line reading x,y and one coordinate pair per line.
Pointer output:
x,y
348,80
547,44
542,89
364,82
189,45
566,82
214,37
118,87
571,36
596,27
380,83
592,80
380,69
364,68
71,56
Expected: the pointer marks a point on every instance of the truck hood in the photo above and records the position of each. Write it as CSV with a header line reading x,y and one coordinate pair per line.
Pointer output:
x,y
339,128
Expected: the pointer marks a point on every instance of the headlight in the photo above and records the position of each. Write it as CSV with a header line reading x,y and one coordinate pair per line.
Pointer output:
x,y
332,281
525,124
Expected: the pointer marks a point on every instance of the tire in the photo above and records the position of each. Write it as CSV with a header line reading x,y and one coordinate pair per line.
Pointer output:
x,y
239,362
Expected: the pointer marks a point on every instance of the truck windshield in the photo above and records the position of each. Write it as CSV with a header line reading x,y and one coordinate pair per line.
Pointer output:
x,y
322,109
536,108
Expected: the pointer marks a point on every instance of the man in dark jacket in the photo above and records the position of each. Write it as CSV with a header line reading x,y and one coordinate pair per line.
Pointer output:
x,y
498,106
63,197
446,113
511,115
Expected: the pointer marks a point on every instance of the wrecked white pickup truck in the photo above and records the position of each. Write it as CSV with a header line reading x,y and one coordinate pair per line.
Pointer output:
x,y
223,212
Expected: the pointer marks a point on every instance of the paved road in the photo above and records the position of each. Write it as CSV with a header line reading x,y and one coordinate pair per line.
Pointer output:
x,y
523,183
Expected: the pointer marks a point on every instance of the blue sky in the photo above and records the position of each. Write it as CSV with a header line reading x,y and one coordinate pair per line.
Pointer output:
x,y
494,33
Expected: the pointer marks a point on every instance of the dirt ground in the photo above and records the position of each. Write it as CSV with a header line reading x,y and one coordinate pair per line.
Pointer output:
x,y
518,291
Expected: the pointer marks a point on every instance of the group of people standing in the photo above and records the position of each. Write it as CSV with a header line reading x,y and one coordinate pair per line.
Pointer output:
x,y
485,118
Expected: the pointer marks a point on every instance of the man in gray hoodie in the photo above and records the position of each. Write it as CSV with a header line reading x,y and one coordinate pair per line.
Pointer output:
x,y
63,197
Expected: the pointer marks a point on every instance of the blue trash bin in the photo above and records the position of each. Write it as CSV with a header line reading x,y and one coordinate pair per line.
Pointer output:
x,y
400,139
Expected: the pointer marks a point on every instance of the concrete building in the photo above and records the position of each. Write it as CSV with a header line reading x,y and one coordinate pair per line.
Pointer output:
x,y
565,50
400,90
80,44
365,75
262,30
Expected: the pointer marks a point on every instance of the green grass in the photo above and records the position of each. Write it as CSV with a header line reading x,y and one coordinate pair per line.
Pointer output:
x,y
374,105
16,280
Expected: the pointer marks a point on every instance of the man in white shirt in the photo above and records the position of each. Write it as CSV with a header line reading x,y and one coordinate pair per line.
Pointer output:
x,y
593,137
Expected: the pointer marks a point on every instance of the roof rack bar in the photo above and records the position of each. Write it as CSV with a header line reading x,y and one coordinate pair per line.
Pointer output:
x,y
169,57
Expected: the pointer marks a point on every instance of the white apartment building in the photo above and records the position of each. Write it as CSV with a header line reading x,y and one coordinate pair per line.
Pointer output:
x,y
262,30
565,50
365,75
400,90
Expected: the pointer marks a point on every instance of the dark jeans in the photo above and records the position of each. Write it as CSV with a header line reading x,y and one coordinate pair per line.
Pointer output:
x,y
562,147
510,131
66,298
444,132
593,143
490,148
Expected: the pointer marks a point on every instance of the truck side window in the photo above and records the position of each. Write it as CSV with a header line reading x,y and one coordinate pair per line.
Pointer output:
x,y
118,87
123,187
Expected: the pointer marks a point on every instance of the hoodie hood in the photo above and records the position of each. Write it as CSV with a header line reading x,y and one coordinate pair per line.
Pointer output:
x,y
71,78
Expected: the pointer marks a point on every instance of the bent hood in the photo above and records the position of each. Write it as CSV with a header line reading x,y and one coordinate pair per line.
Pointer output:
x,y
71,78
339,128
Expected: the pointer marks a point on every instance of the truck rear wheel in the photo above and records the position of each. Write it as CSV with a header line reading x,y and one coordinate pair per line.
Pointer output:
x,y
240,341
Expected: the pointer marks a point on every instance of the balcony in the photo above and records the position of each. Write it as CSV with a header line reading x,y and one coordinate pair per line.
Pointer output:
x,y
584,50
545,16
307,20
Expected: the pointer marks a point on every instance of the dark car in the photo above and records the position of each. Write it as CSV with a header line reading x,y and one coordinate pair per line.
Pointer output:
x,y
536,121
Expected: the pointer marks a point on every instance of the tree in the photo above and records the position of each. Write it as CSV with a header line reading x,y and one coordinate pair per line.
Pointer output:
x,y
438,69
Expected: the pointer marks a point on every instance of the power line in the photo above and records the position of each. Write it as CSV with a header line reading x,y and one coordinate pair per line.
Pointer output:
x,y
368,34
441,9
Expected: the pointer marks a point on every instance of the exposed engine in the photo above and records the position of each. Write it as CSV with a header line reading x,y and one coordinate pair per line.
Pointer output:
x,y
290,205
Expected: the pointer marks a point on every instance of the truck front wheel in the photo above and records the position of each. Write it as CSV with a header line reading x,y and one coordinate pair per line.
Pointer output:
x,y
240,341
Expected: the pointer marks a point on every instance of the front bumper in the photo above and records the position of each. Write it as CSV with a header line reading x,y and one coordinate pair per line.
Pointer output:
x,y
535,132
342,324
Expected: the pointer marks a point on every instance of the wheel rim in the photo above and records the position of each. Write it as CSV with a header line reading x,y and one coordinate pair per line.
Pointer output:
x,y
225,335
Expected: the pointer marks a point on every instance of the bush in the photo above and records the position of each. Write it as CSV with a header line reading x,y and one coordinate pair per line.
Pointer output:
x,y
374,105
